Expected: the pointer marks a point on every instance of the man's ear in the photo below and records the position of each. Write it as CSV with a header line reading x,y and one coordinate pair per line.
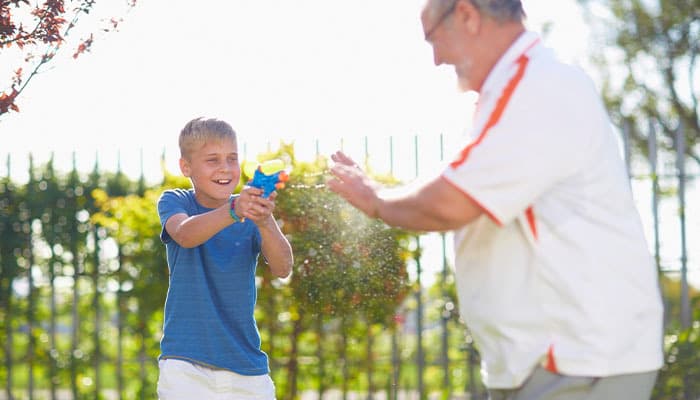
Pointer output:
x,y
185,167
468,15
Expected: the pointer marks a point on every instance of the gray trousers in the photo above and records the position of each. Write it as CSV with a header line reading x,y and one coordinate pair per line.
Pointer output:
x,y
544,385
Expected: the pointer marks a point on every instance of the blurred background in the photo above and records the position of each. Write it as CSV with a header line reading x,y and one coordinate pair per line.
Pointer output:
x,y
90,113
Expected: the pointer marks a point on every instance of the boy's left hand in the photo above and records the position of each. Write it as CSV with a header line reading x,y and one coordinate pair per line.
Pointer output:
x,y
252,205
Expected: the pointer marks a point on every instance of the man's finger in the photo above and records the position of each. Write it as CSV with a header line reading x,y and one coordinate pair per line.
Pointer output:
x,y
344,171
342,158
335,186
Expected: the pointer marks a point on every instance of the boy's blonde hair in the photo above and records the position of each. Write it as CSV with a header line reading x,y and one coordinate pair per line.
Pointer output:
x,y
200,130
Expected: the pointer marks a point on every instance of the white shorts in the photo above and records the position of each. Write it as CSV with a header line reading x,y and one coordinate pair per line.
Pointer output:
x,y
180,380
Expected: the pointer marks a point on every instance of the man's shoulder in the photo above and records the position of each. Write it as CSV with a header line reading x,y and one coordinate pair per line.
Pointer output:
x,y
547,70
555,85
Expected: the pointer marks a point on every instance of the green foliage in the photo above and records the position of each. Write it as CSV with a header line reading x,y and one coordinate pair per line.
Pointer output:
x,y
132,221
680,376
653,50
348,269
650,73
345,263
94,247
60,327
671,289
14,230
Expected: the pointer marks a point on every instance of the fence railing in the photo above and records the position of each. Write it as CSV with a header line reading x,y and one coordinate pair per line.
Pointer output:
x,y
71,326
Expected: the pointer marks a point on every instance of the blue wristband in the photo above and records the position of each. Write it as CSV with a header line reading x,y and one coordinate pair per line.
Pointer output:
x,y
232,210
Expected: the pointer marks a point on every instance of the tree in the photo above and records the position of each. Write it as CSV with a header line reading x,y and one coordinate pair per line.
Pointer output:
x,y
142,273
650,73
679,378
649,66
31,35
15,231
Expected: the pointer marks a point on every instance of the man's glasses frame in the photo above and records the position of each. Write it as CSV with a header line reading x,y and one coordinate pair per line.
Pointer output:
x,y
441,20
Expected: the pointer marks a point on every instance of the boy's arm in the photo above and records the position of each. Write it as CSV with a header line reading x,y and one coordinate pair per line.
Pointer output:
x,y
191,231
275,248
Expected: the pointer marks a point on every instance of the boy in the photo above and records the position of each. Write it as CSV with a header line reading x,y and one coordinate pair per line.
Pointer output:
x,y
211,345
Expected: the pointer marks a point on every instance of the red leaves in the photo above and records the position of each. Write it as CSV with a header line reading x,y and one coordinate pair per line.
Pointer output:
x,y
43,24
17,78
80,50
7,101
7,26
83,47
114,22
39,29
51,21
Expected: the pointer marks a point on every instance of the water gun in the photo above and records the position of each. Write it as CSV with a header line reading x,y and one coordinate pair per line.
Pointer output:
x,y
268,176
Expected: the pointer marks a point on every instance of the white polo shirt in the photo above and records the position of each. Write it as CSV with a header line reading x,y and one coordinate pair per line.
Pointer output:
x,y
557,269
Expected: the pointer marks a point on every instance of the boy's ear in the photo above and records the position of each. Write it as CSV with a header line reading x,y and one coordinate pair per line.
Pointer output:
x,y
185,167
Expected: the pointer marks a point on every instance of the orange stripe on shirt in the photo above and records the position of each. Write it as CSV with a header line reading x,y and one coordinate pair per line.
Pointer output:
x,y
550,364
495,116
530,214
475,201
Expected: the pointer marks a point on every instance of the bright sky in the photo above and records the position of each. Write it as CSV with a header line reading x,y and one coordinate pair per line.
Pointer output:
x,y
276,70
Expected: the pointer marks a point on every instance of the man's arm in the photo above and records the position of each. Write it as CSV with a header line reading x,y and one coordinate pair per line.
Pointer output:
x,y
435,206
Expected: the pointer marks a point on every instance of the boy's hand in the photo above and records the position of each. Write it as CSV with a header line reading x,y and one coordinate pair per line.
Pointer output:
x,y
250,204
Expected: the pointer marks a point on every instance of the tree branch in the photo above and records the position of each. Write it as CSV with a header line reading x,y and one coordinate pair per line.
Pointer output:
x,y
28,35
48,54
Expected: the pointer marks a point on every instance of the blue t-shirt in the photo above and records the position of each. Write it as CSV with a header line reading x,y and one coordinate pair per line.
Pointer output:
x,y
211,297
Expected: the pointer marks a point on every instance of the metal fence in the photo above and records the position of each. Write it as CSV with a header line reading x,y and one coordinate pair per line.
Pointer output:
x,y
70,328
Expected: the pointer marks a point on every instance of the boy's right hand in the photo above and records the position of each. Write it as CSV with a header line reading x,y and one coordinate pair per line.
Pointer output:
x,y
250,204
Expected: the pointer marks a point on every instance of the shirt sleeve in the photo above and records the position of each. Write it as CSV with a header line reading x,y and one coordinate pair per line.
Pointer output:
x,y
171,202
540,140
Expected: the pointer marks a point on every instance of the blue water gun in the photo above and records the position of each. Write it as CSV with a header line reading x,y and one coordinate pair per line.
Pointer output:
x,y
269,176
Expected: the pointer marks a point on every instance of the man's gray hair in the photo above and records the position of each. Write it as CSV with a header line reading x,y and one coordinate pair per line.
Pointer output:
x,y
500,10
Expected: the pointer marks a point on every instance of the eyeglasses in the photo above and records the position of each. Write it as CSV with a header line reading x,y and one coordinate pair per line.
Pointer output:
x,y
440,20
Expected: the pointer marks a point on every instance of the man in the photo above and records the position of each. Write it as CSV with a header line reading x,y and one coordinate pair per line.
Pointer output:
x,y
553,273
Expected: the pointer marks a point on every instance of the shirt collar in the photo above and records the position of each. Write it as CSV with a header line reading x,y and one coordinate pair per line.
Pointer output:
x,y
522,44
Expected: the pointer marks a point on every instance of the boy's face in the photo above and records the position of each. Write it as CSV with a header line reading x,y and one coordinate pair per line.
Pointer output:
x,y
214,171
